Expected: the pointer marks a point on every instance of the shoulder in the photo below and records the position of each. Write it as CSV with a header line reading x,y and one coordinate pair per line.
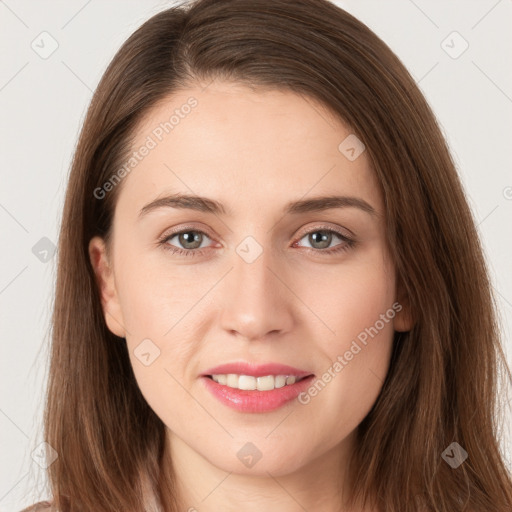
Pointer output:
x,y
42,506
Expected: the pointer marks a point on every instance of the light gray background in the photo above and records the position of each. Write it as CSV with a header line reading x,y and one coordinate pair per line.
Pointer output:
x,y
42,105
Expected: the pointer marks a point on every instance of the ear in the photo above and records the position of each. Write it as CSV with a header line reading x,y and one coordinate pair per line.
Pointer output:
x,y
106,285
404,319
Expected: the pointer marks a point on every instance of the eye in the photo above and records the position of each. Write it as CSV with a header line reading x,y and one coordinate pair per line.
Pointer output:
x,y
189,240
321,239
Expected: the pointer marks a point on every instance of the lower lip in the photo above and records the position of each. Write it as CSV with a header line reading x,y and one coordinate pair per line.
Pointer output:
x,y
256,401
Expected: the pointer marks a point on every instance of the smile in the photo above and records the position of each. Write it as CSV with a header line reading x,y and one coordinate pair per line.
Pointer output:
x,y
255,400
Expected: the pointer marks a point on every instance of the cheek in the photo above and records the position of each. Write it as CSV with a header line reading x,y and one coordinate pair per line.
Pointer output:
x,y
156,295
347,298
156,307
161,305
357,306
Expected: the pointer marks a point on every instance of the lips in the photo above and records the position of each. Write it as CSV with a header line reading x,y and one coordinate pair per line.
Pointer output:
x,y
256,401
256,370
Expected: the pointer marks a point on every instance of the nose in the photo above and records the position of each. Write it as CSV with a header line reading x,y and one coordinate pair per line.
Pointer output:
x,y
257,301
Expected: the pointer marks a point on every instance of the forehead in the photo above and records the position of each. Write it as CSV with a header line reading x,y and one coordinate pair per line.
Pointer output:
x,y
245,148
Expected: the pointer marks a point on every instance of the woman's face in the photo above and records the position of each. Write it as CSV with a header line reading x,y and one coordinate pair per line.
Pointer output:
x,y
264,271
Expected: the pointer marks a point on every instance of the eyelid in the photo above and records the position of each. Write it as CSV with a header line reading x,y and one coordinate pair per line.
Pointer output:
x,y
328,227
183,228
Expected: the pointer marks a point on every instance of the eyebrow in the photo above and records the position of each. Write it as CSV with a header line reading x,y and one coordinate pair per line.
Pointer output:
x,y
204,204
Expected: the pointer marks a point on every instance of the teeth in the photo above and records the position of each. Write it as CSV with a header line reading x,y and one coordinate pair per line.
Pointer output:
x,y
248,382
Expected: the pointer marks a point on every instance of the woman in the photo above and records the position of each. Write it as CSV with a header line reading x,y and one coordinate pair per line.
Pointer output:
x,y
271,292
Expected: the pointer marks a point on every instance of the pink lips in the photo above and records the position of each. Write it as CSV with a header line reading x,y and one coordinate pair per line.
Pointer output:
x,y
254,400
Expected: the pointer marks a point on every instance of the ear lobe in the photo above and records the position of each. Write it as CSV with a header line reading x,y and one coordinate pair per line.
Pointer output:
x,y
106,286
404,319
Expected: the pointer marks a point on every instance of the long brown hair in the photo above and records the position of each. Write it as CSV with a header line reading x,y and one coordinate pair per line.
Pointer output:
x,y
442,384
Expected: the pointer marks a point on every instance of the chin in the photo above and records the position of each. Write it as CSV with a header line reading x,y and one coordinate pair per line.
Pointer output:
x,y
260,459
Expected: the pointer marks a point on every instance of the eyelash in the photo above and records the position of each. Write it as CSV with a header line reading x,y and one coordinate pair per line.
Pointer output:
x,y
349,243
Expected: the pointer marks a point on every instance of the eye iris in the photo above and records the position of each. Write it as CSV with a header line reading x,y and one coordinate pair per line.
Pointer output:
x,y
324,239
190,237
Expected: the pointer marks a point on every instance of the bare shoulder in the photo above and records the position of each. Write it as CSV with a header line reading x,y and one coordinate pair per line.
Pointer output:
x,y
42,506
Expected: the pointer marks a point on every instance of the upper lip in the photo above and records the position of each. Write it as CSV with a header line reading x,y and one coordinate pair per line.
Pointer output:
x,y
255,370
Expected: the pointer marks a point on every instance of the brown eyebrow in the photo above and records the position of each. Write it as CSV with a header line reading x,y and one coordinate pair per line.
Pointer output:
x,y
317,204
201,204
204,204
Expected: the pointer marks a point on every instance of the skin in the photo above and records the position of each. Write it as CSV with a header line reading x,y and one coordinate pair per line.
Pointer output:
x,y
294,304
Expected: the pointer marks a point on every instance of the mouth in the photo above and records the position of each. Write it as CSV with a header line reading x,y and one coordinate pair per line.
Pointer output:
x,y
261,394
